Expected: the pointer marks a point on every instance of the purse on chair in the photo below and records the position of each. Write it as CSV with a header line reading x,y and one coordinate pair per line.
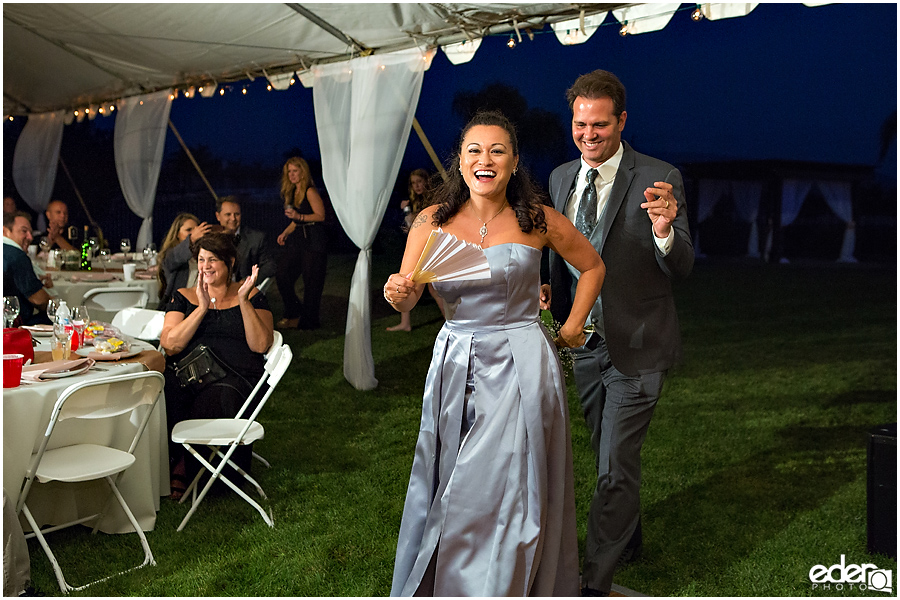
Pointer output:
x,y
199,367
18,341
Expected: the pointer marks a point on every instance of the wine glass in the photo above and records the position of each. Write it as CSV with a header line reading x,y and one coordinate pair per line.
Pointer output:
x,y
104,256
10,309
148,252
80,320
125,245
52,305
44,244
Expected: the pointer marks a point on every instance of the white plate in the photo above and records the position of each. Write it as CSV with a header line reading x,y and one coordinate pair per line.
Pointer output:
x,y
39,330
90,353
77,371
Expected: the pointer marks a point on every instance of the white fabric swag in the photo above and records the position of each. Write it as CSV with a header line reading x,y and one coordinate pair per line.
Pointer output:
x,y
364,112
838,196
138,146
746,196
35,159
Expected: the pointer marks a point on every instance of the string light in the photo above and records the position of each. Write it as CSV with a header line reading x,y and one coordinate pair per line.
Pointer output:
x,y
112,107
76,113
511,43
200,89
697,14
10,117
292,81
269,87
102,110
171,96
222,92
244,91
623,30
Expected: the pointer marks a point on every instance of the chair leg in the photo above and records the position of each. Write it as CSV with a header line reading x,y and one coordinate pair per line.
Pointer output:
x,y
63,586
243,474
216,474
261,459
148,554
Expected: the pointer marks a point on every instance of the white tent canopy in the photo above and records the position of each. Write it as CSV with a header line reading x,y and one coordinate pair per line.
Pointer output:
x,y
63,58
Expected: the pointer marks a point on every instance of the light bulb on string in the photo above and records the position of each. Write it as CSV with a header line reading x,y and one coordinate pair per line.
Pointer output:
x,y
697,14
102,110
269,87
222,92
112,107
292,80
244,91
76,113
511,43
623,30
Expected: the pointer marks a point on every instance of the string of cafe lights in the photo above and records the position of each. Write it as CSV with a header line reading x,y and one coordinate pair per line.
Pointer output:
x,y
515,38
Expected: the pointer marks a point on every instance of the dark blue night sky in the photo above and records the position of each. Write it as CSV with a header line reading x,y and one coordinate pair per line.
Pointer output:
x,y
786,82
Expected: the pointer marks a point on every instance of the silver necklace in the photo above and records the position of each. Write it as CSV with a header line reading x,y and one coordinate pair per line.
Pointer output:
x,y
483,231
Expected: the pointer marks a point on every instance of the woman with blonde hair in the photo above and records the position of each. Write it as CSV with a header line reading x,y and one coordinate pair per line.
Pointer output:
x,y
305,247
177,267
419,198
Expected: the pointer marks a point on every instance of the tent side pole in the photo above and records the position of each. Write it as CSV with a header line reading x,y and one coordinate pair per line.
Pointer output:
x,y
87,213
421,133
193,161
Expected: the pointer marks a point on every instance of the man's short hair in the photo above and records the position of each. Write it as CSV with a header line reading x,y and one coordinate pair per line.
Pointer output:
x,y
598,84
9,219
224,199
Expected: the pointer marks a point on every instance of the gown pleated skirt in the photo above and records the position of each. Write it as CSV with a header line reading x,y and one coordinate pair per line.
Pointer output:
x,y
490,507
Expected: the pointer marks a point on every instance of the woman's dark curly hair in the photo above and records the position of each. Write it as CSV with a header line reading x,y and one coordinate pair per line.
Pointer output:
x,y
523,195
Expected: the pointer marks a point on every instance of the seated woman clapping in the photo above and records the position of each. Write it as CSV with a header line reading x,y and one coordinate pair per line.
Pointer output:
x,y
234,321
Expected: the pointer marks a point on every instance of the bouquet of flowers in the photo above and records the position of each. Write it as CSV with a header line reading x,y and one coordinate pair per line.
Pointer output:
x,y
565,353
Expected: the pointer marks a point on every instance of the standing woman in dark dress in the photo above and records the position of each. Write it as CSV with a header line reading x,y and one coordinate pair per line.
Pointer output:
x,y
233,320
305,243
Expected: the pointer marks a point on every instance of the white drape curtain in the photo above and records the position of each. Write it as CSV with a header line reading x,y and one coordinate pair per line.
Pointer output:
x,y
793,193
364,112
747,196
138,146
35,159
838,195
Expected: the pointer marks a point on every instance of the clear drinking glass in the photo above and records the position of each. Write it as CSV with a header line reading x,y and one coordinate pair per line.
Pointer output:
x,y
10,309
104,256
61,345
125,246
52,305
80,320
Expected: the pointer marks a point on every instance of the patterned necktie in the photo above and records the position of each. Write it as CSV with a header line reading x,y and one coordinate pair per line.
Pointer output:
x,y
587,208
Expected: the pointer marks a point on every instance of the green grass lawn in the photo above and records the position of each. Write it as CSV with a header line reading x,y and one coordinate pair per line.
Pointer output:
x,y
754,465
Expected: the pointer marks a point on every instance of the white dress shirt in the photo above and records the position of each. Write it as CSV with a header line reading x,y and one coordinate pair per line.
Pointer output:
x,y
604,180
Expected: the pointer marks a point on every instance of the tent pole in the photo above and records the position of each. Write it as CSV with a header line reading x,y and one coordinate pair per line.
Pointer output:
x,y
94,223
193,162
421,133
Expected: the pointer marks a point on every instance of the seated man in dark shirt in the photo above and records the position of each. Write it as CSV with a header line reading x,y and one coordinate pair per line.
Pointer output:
x,y
57,214
18,274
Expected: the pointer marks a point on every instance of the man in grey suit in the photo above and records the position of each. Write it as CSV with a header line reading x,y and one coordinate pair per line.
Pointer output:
x,y
632,208
250,244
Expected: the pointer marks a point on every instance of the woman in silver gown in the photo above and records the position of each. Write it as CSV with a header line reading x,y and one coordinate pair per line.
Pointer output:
x,y
490,507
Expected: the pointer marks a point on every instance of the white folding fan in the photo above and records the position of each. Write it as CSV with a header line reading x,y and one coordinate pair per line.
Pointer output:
x,y
446,258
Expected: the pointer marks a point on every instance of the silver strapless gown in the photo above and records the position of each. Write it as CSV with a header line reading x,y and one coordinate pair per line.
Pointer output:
x,y
490,508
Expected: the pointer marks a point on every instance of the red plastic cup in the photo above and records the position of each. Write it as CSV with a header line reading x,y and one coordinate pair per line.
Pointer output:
x,y
12,370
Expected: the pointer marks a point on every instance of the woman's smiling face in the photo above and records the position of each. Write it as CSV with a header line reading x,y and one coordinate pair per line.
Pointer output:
x,y
487,161
213,268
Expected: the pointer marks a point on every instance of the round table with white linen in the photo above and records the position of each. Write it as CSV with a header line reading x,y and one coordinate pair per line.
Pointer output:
x,y
26,414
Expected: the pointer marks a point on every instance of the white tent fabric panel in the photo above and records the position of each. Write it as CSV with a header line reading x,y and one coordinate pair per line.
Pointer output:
x,y
364,112
138,145
35,160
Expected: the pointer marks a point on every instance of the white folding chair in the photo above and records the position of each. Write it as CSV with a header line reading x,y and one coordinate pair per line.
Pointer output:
x,y
141,323
218,433
277,341
101,398
263,285
105,302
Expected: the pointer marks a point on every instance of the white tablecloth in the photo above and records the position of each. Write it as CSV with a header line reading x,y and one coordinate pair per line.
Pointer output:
x,y
26,413
73,291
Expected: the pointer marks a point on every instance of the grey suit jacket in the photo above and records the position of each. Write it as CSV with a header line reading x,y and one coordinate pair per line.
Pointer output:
x,y
638,309
253,250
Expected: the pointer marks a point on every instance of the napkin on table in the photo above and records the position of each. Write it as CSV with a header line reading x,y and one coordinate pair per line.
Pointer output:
x,y
34,372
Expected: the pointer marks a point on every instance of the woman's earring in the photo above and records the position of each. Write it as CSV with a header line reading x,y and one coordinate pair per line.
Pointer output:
x,y
515,170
